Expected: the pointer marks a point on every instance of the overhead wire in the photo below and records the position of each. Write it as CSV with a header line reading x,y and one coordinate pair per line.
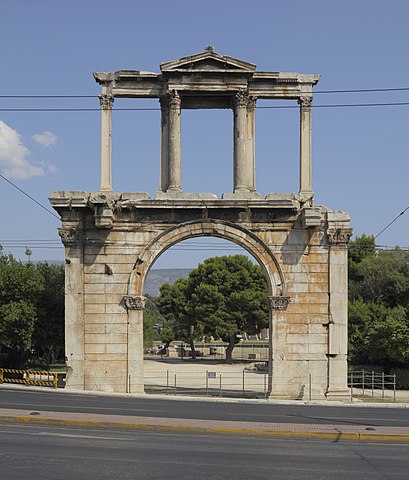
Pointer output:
x,y
393,221
30,197
355,90
267,107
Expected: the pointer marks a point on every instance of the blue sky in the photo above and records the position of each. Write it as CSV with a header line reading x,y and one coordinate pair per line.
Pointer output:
x,y
51,47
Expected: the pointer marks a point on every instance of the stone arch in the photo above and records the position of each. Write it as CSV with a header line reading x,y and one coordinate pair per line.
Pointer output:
x,y
211,228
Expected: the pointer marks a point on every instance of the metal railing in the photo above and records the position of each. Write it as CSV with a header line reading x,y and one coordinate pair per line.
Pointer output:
x,y
209,383
372,383
29,377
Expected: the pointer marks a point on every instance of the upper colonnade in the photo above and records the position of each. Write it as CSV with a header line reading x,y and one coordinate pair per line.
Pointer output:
x,y
202,81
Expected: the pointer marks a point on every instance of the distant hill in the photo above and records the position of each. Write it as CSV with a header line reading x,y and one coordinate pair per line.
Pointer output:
x,y
163,275
156,277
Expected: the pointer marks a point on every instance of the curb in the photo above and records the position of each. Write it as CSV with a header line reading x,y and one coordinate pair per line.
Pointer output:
x,y
185,398
335,435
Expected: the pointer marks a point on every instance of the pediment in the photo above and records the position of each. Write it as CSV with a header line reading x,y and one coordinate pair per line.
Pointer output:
x,y
208,61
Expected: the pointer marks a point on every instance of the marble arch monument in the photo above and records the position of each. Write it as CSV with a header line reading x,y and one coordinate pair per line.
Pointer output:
x,y
112,238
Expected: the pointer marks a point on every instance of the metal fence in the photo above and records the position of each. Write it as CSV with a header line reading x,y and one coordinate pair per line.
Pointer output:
x,y
209,383
373,384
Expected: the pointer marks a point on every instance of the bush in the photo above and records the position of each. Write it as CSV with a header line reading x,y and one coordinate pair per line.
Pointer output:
x,y
402,378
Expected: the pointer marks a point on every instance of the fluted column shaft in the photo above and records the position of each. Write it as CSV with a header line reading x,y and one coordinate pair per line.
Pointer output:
x,y
106,101
174,143
164,144
305,147
241,179
251,157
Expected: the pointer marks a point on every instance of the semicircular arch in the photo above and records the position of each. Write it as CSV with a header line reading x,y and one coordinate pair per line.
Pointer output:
x,y
208,228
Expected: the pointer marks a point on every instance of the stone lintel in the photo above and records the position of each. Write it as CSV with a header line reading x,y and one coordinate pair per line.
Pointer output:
x,y
115,200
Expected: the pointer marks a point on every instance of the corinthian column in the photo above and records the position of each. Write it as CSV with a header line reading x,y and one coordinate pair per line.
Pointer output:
x,y
164,144
174,142
241,170
106,101
251,157
305,147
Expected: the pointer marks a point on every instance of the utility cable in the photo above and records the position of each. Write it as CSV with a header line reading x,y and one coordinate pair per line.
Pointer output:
x,y
334,105
356,90
30,197
394,220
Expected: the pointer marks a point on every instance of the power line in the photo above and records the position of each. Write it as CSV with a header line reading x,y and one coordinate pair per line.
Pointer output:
x,y
394,220
277,107
339,105
30,197
193,245
355,90
364,90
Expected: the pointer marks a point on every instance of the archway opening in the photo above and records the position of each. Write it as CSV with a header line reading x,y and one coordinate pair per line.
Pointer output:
x,y
189,345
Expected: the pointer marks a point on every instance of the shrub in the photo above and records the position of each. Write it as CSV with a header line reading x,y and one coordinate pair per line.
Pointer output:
x,y
402,378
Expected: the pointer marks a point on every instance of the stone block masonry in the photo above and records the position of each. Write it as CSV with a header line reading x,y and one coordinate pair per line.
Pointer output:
x,y
112,239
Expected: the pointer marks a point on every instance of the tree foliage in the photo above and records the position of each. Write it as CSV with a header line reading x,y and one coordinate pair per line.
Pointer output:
x,y
152,321
379,304
31,312
222,297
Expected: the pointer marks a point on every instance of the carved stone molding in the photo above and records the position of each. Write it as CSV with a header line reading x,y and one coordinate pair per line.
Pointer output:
x,y
241,99
251,102
134,303
174,98
278,303
106,101
305,103
71,236
339,236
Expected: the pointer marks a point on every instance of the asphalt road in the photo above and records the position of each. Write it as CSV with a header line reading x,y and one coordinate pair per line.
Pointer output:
x,y
49,453
55,401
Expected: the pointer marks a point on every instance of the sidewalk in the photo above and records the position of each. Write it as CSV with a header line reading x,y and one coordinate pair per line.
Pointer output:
x,y
180,425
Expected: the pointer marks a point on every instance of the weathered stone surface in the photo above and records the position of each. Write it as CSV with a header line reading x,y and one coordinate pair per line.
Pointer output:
x,y
112,239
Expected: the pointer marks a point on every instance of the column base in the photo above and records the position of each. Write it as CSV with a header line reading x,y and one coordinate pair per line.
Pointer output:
x,y
241,195
306,197
179,195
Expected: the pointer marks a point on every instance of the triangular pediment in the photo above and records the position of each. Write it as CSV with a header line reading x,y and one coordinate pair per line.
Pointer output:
x,y
208,61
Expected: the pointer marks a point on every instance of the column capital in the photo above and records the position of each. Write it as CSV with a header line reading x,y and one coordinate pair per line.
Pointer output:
x,y
173,98
136,302
71,236
305,103
106,101
251,102
241,99
278,302
339,236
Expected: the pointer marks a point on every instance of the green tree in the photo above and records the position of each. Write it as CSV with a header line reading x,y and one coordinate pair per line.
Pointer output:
x,y
152,321
48,335
20,285
222,297
379,304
